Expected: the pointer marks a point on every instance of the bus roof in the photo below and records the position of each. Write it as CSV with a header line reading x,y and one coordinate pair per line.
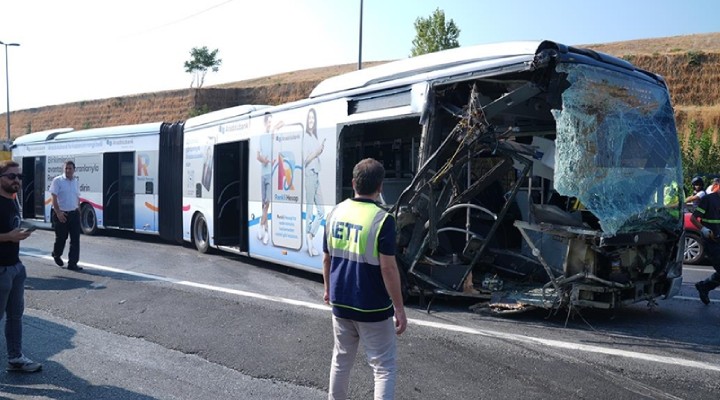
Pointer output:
x,y
40,136
69,134
426,63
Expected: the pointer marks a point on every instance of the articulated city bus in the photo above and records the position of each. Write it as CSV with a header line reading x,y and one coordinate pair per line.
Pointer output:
x,y
530,174
118,169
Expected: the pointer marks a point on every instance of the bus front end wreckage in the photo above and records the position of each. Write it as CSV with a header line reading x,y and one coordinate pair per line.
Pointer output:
x,y
552,186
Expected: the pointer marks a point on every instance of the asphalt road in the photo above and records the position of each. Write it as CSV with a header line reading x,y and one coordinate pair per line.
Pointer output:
x,y
151,320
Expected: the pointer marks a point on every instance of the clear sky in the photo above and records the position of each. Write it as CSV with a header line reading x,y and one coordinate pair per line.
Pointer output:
x,y
73,50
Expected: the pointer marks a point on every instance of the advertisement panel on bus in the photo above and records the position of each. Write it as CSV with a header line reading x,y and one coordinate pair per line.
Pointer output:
x,y
292,180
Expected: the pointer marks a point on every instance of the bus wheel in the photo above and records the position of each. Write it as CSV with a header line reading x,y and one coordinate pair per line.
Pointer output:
x,y
200,235
88,222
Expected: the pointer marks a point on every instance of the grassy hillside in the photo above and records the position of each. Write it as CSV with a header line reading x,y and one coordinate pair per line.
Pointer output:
x,y
690,65
706,42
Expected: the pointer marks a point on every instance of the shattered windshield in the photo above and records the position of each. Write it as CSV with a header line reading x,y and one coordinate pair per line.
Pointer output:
x,y
617,149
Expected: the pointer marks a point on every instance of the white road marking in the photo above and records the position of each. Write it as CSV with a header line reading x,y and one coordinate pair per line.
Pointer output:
x,y
694,299
698,269
448,327
574,346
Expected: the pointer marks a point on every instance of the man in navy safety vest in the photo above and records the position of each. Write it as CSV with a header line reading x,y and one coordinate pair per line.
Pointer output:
x,y
362,283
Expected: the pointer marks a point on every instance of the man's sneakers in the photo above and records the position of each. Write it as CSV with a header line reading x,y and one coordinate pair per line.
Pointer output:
x,y
23,364
58,260
703,292
60,263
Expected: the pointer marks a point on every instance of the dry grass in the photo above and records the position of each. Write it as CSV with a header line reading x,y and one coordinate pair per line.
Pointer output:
x,y
705,117
306,75
675,45
706,42
690,64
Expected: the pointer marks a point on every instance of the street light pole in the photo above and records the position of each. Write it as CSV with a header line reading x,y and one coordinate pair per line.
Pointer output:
x,y
360,41
7,86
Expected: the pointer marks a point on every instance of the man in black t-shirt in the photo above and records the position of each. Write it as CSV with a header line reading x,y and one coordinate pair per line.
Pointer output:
x,y
12,271
708,210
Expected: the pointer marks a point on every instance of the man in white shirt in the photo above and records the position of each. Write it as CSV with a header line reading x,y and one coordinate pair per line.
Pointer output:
x,y
65,191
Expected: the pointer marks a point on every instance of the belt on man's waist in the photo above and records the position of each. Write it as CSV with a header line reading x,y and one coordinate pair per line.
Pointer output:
x,y
71,211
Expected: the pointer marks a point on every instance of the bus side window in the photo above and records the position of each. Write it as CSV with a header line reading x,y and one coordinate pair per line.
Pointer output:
x,y
148,188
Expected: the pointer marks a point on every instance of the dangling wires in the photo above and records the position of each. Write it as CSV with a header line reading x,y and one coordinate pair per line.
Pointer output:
x,y
472,127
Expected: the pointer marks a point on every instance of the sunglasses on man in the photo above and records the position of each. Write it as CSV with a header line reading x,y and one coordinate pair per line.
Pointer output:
x,y
13,176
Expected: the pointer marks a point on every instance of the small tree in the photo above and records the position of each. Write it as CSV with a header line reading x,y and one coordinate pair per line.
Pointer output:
x,y
434,34
198,65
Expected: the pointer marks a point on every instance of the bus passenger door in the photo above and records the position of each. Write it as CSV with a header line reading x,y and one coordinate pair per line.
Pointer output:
x,y
119,190
33,188
230,200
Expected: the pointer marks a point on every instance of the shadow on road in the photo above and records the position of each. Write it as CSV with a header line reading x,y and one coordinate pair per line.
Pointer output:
x,y
44,339
57,283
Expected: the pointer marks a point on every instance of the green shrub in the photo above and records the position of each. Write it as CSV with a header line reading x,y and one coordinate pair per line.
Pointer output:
x,y
695,58
700,153
199,111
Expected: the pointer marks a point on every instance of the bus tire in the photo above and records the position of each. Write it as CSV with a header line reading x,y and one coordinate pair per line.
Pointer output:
x,y
200,236
88,221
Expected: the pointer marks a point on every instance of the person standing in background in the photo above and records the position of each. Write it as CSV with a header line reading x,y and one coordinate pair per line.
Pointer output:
x,y
65,191
313,196
698,191
12,271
